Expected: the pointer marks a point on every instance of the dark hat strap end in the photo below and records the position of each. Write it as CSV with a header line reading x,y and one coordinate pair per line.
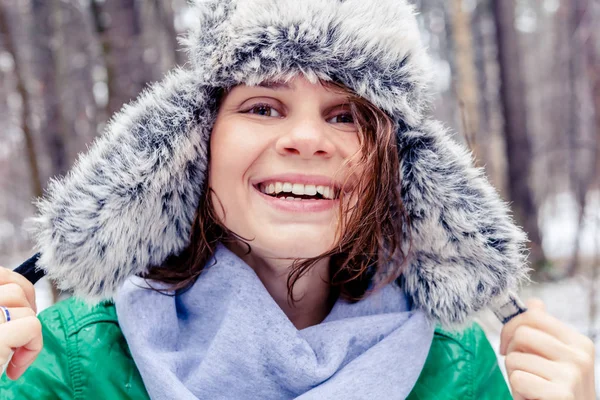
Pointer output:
x,y
30,271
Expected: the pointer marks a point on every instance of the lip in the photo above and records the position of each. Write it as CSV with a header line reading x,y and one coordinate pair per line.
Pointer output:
x,y
295,206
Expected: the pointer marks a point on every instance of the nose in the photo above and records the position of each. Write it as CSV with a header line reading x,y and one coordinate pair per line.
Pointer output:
x,y
306,138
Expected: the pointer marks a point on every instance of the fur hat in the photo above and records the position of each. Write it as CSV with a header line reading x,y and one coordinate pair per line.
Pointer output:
x,y
130,201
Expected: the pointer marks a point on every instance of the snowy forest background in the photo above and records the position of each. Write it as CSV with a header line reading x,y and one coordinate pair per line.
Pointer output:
x,y
518,80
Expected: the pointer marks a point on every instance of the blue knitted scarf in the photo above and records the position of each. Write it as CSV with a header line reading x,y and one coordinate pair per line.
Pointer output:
x,y
226,338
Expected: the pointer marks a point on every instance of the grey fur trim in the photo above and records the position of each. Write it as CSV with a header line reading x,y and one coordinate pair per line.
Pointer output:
x,y
129,202
467,252
377,51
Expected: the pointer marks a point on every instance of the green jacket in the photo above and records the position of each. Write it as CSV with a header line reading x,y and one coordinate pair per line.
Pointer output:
x,y
85,356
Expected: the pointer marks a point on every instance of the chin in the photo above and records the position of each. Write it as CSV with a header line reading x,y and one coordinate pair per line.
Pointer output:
x,y
297,245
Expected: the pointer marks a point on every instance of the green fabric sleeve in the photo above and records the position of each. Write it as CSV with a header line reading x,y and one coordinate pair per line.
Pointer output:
x,y
489,383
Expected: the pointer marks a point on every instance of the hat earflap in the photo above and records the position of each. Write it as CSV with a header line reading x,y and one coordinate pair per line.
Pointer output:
x,y
129,202
466,251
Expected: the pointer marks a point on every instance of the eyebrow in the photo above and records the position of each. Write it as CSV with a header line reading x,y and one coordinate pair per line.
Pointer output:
x,y
274,85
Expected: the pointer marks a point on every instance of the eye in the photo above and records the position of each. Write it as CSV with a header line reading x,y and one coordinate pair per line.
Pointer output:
x,y
264,110
343,118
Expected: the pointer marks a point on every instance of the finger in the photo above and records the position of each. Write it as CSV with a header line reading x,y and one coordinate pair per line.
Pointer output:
x,y
18,312
535,303
25,335
21,332
534,364
9,276
21,360
530,386
13,295
538,318
531,340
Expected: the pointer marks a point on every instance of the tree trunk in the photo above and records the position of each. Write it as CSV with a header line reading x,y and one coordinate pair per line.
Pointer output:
x,y
166,17
590,49
518,146
119,27
53,134
574,130
466,85
32,156
582,165
76,59
491,142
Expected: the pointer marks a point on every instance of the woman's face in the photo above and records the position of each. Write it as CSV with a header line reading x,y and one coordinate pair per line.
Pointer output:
x,y
278,155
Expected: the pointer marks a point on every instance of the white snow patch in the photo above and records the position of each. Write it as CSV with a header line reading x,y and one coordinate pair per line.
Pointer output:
x,y
558,223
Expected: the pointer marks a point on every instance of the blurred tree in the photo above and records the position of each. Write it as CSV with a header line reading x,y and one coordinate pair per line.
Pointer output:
x,y
592,50
491,145
119,27
78,56
166,19
53,137
32,156
160,48
583,70
518,146
46,72
466,81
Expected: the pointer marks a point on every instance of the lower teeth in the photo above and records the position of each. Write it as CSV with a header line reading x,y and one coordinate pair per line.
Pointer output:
x,y
295,199
292,198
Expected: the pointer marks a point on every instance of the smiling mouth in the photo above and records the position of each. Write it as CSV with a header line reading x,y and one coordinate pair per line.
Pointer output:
x,y
297,191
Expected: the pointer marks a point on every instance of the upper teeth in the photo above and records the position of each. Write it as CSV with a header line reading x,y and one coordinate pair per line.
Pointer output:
x,y
297,188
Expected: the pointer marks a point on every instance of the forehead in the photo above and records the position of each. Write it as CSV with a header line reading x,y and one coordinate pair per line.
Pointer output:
x,y
300,83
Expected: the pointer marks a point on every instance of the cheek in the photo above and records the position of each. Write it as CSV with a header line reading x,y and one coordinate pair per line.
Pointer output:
x,y
353,164
353,144
348,144
230,152
233,152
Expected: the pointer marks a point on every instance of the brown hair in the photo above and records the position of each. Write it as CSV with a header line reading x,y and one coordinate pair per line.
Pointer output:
x,y
369,249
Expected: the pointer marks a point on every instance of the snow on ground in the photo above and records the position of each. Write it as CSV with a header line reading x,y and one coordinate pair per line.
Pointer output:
x,y
558,223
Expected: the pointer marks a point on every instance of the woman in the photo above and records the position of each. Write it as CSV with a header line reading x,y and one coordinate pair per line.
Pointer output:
x,y
281,220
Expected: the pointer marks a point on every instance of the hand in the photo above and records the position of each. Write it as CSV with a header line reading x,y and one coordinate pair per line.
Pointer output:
x,y
546,359
23,333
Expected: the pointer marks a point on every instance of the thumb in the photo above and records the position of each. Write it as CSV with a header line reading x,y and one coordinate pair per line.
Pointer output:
x,y
517,396
535,303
